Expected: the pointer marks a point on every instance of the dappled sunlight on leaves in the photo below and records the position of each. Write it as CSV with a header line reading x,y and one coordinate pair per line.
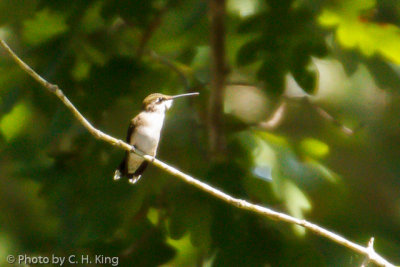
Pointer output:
x,y
352,31
56,188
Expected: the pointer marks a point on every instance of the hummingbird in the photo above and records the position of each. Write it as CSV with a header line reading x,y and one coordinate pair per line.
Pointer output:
x,y
144,134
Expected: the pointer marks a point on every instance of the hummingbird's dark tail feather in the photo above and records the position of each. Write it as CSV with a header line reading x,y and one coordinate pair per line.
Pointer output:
x,y
121,171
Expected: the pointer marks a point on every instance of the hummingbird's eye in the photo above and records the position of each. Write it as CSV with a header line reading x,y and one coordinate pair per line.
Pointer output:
x,y
160,99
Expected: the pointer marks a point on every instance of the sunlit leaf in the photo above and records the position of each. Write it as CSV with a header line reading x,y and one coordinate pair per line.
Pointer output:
x,y
353,32
314,148
296,202
13,124
329,18
152,215
185,251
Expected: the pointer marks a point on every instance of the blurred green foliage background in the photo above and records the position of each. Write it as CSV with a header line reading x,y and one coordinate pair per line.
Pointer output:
x,y
57,195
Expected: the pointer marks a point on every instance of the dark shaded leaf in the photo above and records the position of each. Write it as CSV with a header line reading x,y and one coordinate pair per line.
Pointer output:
x,y
249,52
385,75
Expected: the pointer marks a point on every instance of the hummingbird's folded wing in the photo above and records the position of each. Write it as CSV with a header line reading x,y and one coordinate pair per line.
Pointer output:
x,y
131,128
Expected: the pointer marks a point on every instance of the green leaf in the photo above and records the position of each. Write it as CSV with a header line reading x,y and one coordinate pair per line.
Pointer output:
x,y
272,73
249,53
369,37
92,19
296,202
384,74
200,228
13,124
306,79
314,148
81,69
324,171
44,26
252,24
185,251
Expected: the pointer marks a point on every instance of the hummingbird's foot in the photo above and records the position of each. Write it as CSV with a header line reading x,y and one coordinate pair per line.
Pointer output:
x,y
117,175
135,179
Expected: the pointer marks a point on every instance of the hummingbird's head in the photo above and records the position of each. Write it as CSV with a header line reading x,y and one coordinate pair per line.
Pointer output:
x,y
157,102
160,102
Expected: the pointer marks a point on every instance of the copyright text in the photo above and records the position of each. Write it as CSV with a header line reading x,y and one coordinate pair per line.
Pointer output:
x,y
61,260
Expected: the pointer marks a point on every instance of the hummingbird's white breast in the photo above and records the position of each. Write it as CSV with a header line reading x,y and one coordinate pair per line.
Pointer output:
x,y
147,133
145,136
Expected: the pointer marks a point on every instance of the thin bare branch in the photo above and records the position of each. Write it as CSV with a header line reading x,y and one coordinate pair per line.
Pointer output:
x,y
276,118
324,114
279,115
328,117
242,204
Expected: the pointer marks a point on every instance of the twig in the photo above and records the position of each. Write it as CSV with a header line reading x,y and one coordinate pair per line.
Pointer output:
x,y
324,114
218,75
276,118
328,117
242,204
370,247
279,114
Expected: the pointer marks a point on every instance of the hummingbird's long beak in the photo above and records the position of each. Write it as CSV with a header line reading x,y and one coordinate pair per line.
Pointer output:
x,y
182,95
